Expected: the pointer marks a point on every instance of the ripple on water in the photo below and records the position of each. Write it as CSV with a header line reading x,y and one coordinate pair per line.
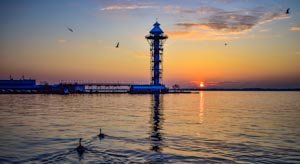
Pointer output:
x,y
211,127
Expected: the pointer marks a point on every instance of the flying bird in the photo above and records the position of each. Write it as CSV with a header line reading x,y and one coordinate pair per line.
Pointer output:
x,y
117,46
225,44
70,29
287,11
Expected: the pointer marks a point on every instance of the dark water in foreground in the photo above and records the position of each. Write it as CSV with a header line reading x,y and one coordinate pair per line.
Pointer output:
x,y
212,127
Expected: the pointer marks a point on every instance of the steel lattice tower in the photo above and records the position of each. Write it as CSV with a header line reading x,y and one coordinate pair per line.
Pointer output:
x,y
156,39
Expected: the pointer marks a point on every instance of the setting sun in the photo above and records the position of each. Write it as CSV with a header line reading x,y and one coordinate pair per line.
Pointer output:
x,y
201,85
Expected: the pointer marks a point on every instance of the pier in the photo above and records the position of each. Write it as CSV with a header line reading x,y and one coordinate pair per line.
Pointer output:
x,y
23,87
97,87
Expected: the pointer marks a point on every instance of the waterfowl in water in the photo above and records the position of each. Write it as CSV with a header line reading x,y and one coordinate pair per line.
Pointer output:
x,y
80,148
100,135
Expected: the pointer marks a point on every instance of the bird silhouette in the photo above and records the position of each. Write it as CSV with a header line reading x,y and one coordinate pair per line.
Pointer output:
x,y
101,135
225,44
287,11
71,30
80,149
117,46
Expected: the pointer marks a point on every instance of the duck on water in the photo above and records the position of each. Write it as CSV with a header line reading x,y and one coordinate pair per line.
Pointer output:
x,y
80,149
101,135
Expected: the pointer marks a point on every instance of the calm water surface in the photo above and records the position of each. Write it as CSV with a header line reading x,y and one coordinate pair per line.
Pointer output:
x,y
212,127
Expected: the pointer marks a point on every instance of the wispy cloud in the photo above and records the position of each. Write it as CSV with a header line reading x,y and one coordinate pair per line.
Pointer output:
x,y
171,9
126,7
216,84
208,10
225,1
200,35
295,28
180,33
270,17
264,30
61,41
221,27
222,22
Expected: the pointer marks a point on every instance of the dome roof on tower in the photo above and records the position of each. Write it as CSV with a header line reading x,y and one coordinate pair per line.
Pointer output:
x,y
156,29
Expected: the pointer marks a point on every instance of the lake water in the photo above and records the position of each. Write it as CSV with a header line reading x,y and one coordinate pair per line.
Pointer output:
x,y
207,127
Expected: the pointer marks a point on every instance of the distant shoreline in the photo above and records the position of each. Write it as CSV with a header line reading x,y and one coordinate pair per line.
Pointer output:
x,y
171,91
240,89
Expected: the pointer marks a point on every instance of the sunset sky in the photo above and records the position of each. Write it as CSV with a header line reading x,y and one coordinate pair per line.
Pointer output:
x,y
263,42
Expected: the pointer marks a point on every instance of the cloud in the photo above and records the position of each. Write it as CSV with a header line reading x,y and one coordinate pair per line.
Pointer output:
x,y
171,9
295,28
225,1
217,84
61,41
222,27
264,30
180,33
230,22
126,7
200,35
270,17
214,83
208,10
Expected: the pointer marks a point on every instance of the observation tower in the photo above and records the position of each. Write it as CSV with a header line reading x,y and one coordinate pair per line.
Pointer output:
x,y
156,39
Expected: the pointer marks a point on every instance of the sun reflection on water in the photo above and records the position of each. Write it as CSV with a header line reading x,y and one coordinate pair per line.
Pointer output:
x,y
201,108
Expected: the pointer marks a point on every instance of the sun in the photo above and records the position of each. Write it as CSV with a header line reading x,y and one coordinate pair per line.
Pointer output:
x,y
201,84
